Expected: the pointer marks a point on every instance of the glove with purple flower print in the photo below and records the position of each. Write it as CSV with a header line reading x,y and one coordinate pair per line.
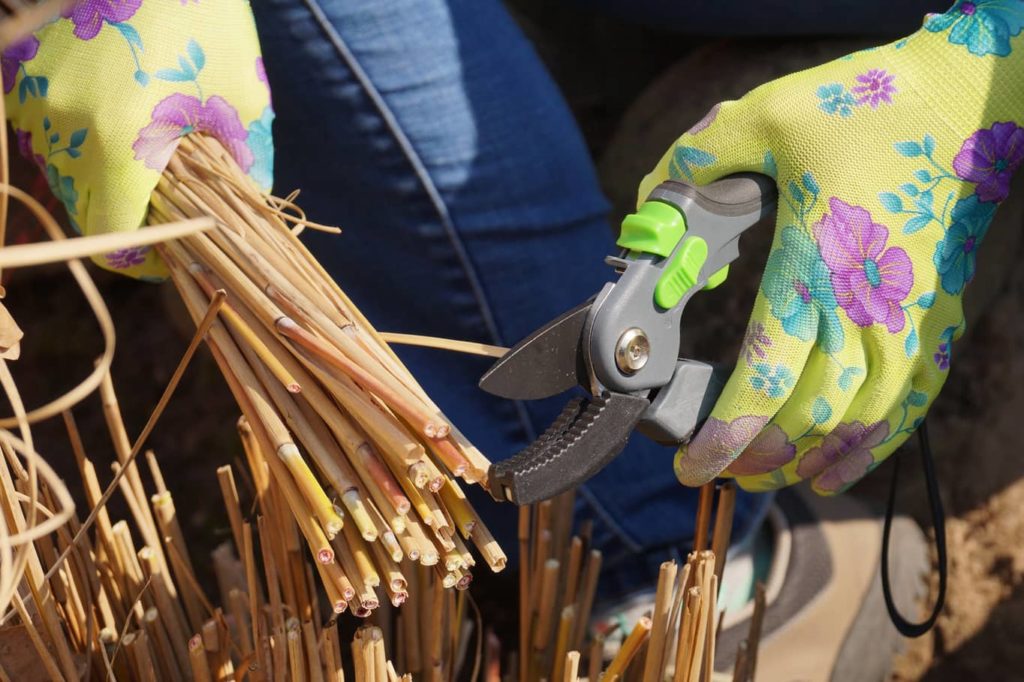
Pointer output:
x,y
100,97
890,164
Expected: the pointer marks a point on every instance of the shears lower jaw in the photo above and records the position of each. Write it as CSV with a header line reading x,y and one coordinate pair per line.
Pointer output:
x,y
599,425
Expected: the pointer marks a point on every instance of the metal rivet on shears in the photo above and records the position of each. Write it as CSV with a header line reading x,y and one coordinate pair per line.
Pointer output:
x,y
632,351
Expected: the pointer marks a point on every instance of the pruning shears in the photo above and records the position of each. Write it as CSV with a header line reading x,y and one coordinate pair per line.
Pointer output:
x,y
622,345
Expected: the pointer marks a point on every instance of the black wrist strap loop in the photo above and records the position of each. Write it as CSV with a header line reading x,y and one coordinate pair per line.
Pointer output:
x,y
905,627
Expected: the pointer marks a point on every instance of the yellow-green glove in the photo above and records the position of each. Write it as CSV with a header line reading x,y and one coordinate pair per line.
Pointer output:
x,y
890,164
100,97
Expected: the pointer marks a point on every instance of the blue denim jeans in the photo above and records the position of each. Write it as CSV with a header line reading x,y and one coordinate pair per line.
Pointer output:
x,y
431,133
773,17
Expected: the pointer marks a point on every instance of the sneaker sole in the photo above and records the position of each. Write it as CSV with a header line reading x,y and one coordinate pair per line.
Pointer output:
x,y
828,622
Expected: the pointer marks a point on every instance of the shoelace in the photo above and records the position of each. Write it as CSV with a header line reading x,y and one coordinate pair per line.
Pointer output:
x,y
905,627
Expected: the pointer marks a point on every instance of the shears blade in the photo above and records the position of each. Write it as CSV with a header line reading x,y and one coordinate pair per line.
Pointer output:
x,y
547,362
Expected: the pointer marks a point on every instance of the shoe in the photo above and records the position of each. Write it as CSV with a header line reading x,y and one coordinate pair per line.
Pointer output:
x,y
825,619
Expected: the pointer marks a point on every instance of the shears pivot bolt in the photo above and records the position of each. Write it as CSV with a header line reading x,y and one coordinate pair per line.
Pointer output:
x,y
632,351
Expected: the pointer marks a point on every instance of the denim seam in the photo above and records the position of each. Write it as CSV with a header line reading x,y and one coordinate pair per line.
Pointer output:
x,y
425,181
670,550
606,517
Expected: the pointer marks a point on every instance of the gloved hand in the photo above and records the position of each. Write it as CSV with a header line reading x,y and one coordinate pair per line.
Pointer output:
x,y
890,164
99,98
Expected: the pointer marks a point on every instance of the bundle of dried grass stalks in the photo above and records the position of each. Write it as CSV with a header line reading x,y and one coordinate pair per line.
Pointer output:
x,y
375,480
673,642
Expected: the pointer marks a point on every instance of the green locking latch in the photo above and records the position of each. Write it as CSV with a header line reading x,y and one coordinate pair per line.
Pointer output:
x,y
717,278
682,273
655,228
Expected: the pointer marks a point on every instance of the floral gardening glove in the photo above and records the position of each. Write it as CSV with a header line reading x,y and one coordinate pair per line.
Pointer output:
x,y
99,98
890,164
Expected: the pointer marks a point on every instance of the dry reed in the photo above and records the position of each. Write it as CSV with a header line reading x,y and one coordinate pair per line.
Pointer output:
x,y
674,642
339,435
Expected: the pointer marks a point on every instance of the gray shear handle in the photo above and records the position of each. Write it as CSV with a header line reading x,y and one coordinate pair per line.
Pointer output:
x,y
720,212
716,215
735,195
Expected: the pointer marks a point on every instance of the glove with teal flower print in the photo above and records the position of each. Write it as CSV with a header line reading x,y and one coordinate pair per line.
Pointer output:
x,y
99,98
890,164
